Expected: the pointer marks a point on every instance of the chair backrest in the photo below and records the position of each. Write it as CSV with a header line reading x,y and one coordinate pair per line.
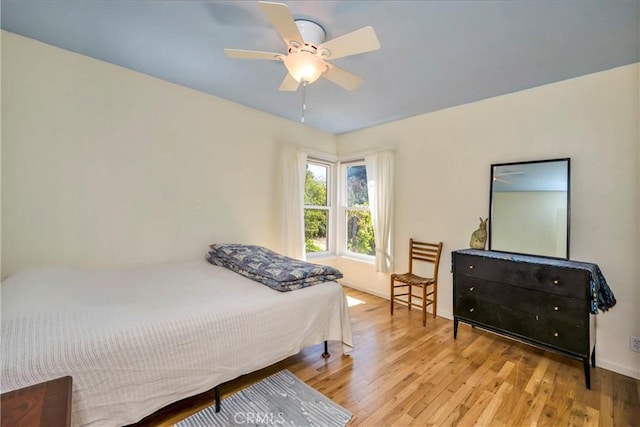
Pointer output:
x,y
423,251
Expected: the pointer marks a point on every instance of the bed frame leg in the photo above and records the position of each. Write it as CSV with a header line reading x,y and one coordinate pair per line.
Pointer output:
x,y
326,354
216,393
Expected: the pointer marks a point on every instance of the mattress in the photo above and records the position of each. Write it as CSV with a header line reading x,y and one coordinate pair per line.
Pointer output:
x,y
135,340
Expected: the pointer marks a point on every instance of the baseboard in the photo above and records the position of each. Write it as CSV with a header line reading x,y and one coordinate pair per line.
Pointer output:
x,y
441,313
445,314
361,289
614,367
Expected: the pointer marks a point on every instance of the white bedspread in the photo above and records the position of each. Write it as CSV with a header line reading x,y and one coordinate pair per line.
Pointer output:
x,y
135,340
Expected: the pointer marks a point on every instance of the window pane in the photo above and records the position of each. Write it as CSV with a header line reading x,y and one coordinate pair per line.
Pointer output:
x,y
360,233
315,230
315,185
357,186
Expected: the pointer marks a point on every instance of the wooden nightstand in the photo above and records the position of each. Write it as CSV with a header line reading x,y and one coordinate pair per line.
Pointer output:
x,y
45,404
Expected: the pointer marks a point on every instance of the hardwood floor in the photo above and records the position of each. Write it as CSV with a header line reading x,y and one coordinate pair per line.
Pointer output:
x,y
401,373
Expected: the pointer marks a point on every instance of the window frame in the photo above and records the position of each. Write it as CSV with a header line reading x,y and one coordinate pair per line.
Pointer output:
x,y
343,249
331,220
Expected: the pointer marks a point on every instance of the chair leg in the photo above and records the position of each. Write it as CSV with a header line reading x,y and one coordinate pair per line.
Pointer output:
x,y
409,296
391,293
435,299
424,306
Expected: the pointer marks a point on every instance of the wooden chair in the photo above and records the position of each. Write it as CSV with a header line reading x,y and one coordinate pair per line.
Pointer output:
x,y
418,251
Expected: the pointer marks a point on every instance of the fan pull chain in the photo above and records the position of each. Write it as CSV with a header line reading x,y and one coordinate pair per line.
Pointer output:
x,y
304,103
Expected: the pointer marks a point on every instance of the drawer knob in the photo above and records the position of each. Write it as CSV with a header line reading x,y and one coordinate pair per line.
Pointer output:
x,y
471,310
556,281
471,267
472,288
556,308
555,334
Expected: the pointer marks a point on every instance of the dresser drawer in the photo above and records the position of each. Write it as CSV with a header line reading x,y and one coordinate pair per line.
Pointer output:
x,y
572,310
495,317
562,335
539,277
554,333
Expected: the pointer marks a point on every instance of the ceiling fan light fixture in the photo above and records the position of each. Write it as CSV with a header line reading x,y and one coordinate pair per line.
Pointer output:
x,y
304,66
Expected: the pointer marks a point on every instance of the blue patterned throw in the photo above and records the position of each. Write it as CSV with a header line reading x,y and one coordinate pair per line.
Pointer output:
x,y
267,267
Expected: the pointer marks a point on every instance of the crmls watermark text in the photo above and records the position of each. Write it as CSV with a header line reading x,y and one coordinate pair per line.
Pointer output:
x,y
258,418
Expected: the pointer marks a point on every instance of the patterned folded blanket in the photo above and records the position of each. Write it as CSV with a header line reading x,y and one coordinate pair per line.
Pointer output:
x,y
265,266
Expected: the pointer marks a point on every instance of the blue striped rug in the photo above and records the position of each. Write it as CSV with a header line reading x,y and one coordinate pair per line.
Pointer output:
x,y
279,400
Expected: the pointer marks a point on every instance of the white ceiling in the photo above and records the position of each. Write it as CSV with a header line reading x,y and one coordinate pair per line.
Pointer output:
x,y
434,54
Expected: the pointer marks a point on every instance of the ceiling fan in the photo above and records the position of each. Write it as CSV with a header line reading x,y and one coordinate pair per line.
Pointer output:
x,y
308,55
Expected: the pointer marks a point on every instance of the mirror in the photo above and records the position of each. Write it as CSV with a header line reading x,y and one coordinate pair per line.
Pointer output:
x,y
529,208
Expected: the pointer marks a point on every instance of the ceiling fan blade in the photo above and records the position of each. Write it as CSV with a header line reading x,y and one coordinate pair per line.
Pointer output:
x,y
341,77
252,54
289,83
359,41
280,17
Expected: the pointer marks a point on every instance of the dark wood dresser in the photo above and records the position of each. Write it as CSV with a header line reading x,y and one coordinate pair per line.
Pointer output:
x,y
47,404
540,301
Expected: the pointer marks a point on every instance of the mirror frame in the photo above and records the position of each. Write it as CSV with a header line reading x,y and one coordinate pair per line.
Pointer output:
x,y
491,190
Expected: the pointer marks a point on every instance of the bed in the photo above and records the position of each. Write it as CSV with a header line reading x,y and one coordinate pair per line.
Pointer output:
x,y
137,339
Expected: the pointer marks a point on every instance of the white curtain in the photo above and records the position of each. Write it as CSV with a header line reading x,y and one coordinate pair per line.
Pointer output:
x,y
294,166
381,183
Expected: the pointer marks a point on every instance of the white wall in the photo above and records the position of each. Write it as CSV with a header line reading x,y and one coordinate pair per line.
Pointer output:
x,y
443,175
103,166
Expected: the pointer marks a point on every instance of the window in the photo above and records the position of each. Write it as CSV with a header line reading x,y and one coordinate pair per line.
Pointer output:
x,y
354,227
317,209
357,216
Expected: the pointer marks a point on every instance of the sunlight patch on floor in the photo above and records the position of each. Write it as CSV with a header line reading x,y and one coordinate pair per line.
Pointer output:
x,y
351,301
